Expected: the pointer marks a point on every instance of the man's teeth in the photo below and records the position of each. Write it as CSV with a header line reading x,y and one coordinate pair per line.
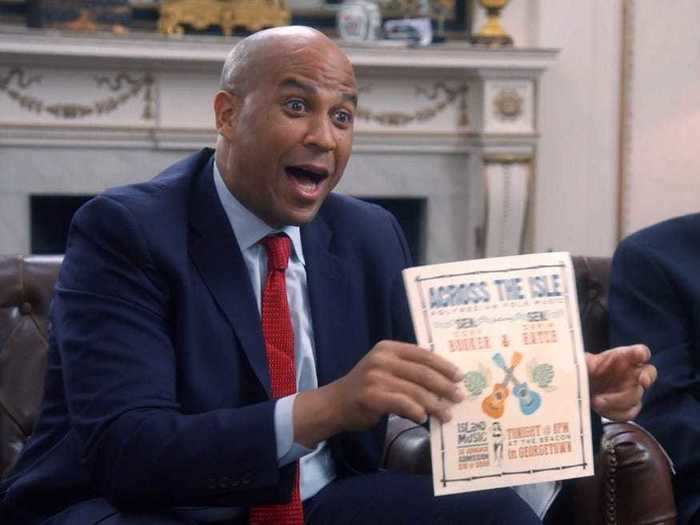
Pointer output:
x,y
307,184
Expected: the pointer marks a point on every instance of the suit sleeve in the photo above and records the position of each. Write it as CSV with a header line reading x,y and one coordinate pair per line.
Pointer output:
x,y
649,303
401,314
112,325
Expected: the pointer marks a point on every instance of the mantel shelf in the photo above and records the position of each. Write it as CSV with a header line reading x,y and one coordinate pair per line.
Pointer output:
x,y
47,47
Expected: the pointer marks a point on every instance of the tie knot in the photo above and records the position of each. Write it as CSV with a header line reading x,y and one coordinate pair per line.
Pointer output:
x,y
278,248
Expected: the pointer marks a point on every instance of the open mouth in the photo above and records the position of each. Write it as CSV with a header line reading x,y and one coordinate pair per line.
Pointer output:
x,y
307,177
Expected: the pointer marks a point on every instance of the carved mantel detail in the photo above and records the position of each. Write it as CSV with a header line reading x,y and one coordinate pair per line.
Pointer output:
x,y
509,104
16,83
442,93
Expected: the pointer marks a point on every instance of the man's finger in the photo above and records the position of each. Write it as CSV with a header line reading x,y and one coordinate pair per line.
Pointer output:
x,y
619,406
618,401
429,379
634,354
409,400
623,415
647,376
427,358
429,400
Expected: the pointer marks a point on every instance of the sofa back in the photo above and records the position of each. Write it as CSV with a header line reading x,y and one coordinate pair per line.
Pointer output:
x,y
26,287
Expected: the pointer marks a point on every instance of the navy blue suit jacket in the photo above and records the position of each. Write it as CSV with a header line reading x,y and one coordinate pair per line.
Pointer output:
x,y
158,392
655,299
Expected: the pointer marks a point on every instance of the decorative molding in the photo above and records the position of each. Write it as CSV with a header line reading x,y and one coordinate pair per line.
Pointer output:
x,y
625,126
508,104
508,188
124,85
397,118
506,158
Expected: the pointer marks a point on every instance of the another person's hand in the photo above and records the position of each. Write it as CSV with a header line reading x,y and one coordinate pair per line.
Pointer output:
x,y
618,378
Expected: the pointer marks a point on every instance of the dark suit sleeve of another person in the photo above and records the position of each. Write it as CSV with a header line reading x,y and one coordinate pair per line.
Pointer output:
x,y
655,300
116,327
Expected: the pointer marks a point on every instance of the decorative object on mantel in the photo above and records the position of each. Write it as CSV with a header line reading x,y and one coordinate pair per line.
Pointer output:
x,y
441,10
406,8
492,33
359,21
416,31
250,15
452,15
80,15
398,118
124,86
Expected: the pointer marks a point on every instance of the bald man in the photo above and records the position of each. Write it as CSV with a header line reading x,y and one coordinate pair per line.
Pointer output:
x,y
228,338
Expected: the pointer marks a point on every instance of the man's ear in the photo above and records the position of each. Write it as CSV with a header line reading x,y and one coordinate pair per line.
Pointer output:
x,y
226,108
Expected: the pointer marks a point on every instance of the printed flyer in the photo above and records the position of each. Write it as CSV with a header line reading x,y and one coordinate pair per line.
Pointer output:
x,y
511,324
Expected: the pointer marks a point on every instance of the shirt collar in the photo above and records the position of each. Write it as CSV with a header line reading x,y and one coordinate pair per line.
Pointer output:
x,y
248,227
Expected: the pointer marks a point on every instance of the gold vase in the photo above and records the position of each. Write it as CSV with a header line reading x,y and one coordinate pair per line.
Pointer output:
x,y
492,33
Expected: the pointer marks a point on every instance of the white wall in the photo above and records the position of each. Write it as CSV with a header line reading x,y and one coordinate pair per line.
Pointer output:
x,y
575,201
583,162
663,159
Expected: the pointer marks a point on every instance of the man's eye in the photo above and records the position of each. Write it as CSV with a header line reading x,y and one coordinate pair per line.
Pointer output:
x,y
296,106
343,117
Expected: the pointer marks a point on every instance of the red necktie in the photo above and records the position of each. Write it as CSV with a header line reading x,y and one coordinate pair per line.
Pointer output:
x,y
279,346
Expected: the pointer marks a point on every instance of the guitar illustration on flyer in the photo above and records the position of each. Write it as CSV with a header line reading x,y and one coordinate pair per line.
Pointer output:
x,y
511,324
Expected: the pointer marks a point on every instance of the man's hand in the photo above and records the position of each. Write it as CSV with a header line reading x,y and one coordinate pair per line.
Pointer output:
x,y
393,378
618,378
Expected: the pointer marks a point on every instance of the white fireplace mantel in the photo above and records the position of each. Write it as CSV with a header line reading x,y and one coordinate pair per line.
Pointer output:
x,y
191,52
453,124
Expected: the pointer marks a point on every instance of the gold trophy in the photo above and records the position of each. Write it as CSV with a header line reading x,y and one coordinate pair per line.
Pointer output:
x,y
492,33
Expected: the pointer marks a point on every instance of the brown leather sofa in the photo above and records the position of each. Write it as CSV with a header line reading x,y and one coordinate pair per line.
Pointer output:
x,y
632,484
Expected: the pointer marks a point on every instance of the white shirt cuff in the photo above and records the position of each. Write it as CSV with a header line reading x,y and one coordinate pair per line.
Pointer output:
x,y
287,449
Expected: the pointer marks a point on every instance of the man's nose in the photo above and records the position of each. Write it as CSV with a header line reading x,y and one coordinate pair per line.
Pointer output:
x,y
321,134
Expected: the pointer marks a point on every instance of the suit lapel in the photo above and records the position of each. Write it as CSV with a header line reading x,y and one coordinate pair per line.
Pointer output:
x,y
327,280
215,252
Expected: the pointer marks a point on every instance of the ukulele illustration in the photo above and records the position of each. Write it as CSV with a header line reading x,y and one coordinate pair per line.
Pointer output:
x,y
494,404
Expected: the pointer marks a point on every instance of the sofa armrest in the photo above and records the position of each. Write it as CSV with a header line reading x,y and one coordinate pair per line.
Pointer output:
x,y
632,483
407,447
631,486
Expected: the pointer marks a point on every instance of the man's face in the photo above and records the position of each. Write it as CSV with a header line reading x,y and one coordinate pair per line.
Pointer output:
x,y
292,132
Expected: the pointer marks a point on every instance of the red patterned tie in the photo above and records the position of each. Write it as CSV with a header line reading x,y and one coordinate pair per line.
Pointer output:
x,y
279,346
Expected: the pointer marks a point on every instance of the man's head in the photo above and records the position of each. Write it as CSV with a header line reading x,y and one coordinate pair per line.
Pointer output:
x,y
285,121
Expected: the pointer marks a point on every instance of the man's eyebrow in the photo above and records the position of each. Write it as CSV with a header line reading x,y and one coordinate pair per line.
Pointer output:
x,y
350,97
309,88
